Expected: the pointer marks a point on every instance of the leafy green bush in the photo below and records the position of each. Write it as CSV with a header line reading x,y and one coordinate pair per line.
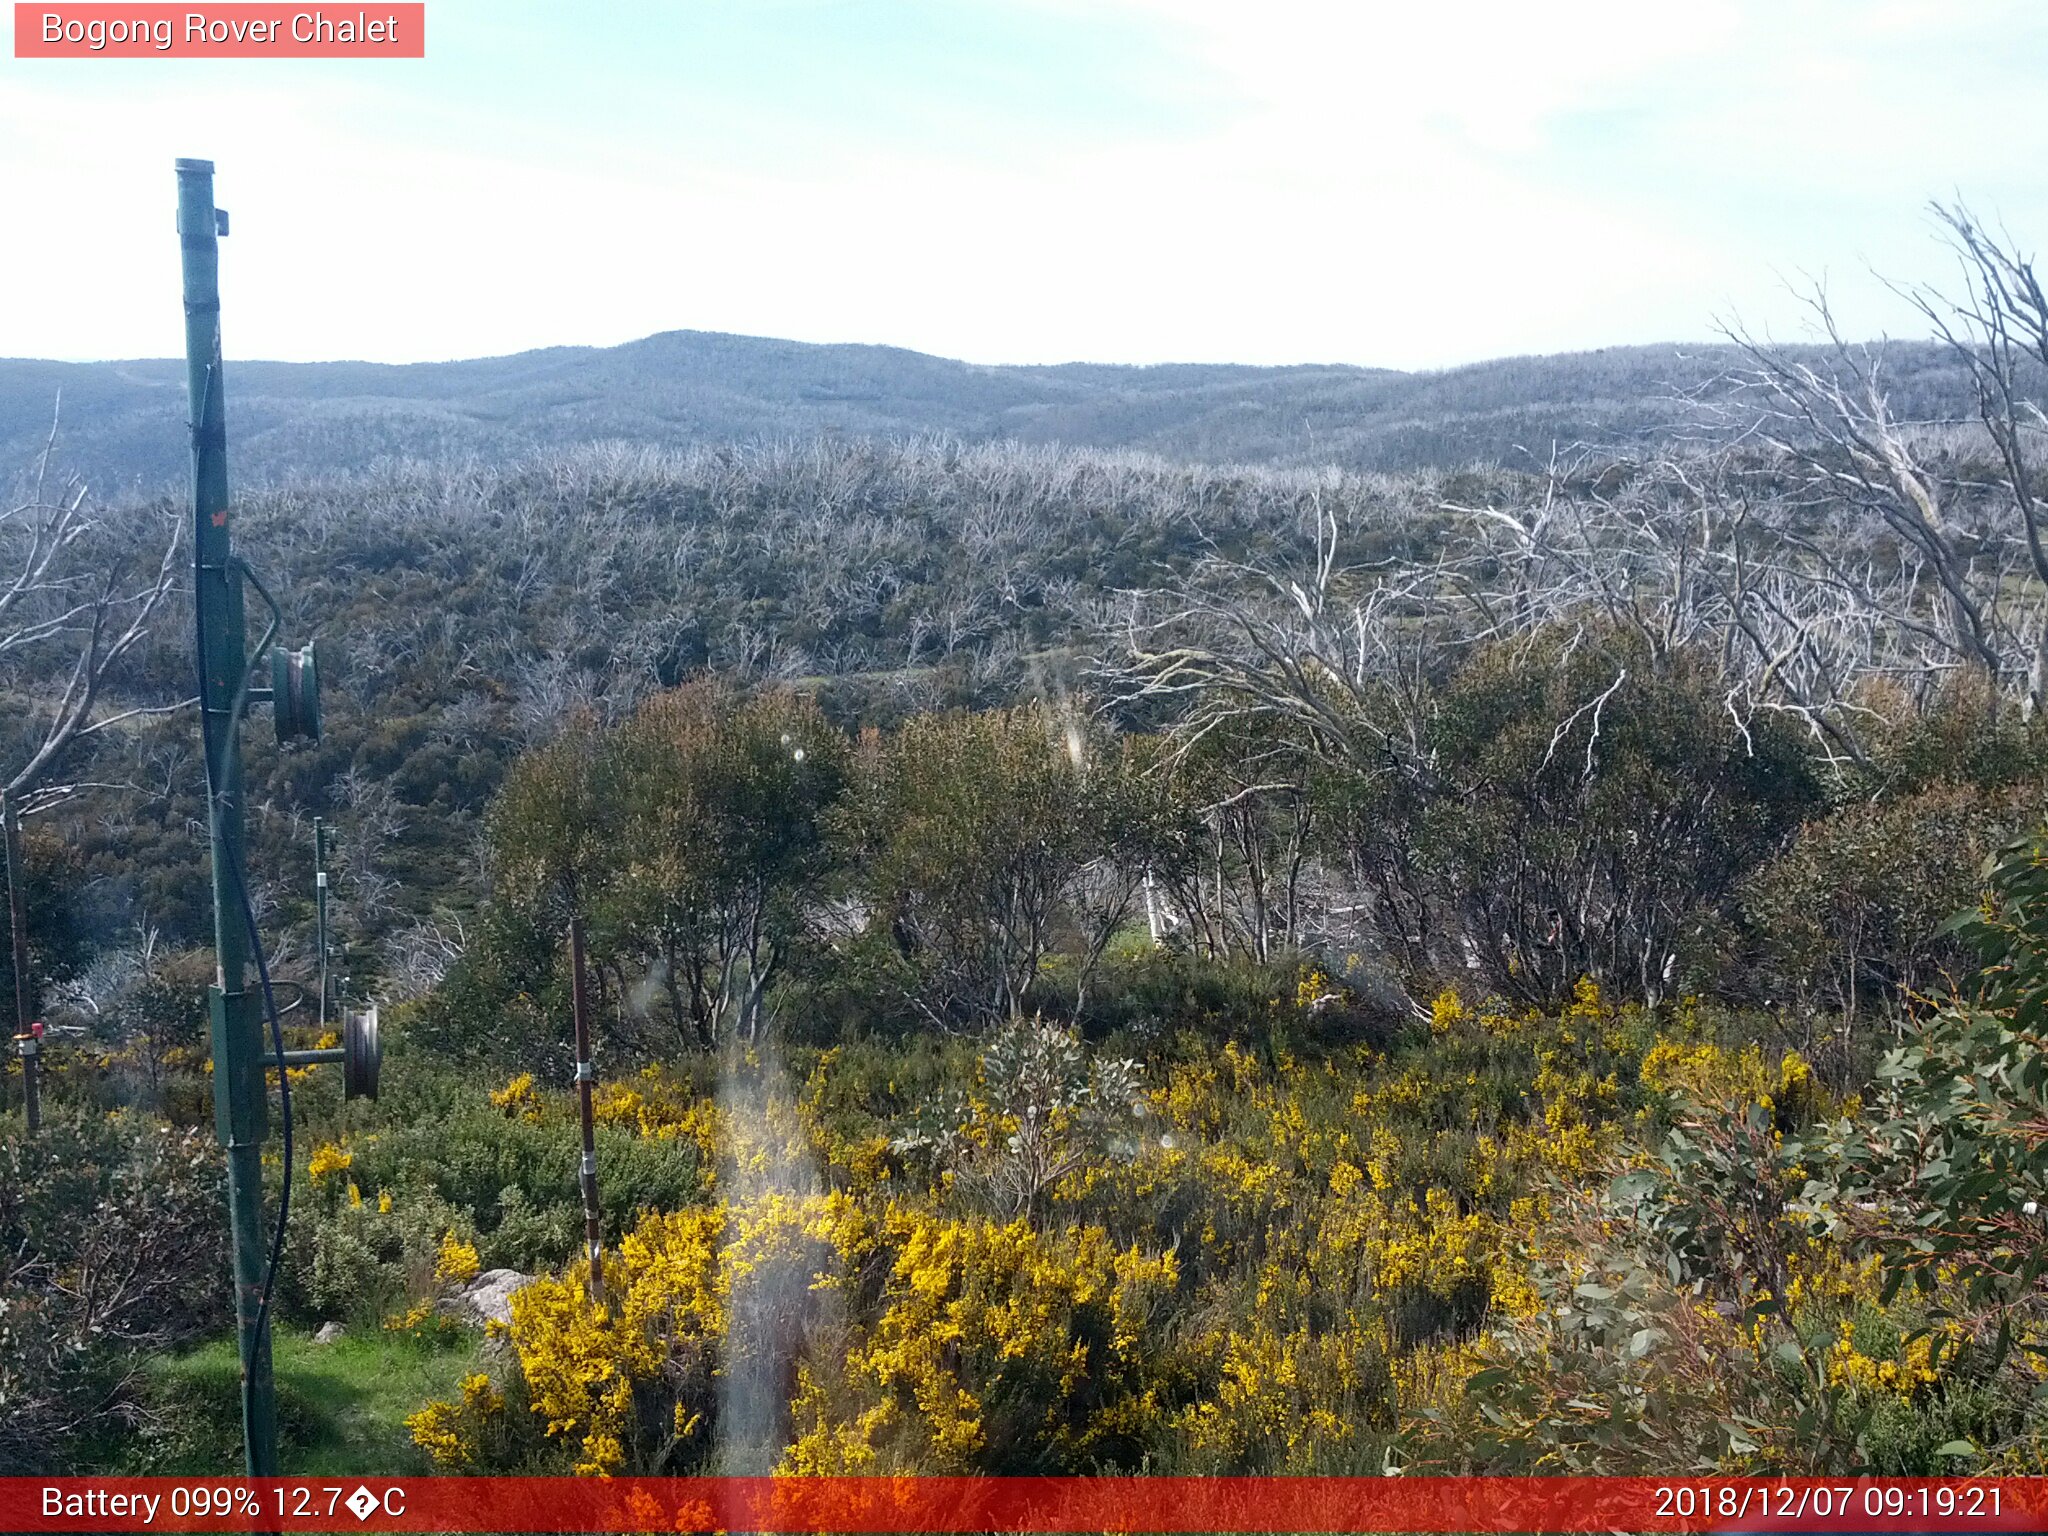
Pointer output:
x,y
510,1178
984,845
1599,804
691,838
1852,916
356,1261
1040,1109
59,942
1949,1168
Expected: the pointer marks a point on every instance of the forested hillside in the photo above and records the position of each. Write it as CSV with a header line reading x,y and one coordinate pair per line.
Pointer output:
x,y
1097,963
299,420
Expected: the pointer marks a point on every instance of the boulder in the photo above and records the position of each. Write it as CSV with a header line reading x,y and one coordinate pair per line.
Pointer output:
x,y
328,1333
488,1298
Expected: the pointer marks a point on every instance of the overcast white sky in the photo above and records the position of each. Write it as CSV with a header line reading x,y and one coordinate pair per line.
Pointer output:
x,y
1264,181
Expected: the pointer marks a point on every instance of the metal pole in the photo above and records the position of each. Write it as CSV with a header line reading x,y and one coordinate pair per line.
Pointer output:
x,y
30,1047
593,1232
239,1103
17,923
320,907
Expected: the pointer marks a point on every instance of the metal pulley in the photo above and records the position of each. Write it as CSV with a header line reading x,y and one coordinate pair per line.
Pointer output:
x,y
362,1053
295,693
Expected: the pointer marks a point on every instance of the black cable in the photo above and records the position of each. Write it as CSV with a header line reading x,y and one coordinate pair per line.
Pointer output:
x,y
284,1088
284,1094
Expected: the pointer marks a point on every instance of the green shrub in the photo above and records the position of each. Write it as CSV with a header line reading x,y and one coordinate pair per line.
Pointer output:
x,y
1949,1170
510,1180
112,1244
1599,804
1853,914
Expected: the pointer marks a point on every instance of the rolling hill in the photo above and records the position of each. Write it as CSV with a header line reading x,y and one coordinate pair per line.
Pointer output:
x,y
122,421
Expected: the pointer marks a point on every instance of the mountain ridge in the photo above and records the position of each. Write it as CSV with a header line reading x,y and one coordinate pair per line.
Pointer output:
x,y
122,419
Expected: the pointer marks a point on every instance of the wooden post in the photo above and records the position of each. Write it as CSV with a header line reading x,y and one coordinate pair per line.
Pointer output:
x,y
593,1234
29,1048
17,918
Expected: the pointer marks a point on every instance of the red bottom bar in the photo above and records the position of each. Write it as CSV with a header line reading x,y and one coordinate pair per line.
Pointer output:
x,y
850,1505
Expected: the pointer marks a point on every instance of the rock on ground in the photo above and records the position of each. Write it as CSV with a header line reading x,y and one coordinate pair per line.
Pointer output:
x,y
488,1297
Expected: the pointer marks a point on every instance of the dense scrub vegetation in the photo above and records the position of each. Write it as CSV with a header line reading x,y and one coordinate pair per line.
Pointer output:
x,y
1341,1260
1105,965
911,1130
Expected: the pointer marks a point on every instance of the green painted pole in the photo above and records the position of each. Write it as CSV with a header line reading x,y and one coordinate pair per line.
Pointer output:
x,y
239,1105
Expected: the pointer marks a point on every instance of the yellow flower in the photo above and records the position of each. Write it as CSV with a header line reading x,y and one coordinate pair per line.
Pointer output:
x,y
518,1098
413,1317
448,1432
1315,989
327,1159
1446,1013
457,1260
1904,1375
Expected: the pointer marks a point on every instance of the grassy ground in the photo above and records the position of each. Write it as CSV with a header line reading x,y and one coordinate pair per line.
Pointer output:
x,y
341,1406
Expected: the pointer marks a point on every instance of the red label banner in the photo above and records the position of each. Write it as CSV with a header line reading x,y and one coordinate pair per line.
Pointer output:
x,y
1036,1504
233,31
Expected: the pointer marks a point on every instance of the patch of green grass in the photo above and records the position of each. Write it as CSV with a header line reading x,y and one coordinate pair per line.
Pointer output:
x,y
341,1407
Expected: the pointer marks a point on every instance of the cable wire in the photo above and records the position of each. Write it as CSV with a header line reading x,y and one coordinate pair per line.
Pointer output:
x,y
284,1094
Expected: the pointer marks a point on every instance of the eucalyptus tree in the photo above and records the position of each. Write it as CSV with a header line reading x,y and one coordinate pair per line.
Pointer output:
x,y
691,839
983,845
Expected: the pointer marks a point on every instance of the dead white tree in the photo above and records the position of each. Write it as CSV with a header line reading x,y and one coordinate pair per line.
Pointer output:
x,y
1928,566
1332,656
67,613
1693,553
1998,327
67,620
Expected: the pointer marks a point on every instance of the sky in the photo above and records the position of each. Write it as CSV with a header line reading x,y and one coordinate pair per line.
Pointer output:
x,y
1033,181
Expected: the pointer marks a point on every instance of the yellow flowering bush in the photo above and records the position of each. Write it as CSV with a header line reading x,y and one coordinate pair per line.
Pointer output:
x,y
518,1098
326,1159
455,1434
1905,1368
683,1290
1324,1262
659,1107
421,1319
1290,1399
457,1261
1446,1013
1315,990
994,1347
